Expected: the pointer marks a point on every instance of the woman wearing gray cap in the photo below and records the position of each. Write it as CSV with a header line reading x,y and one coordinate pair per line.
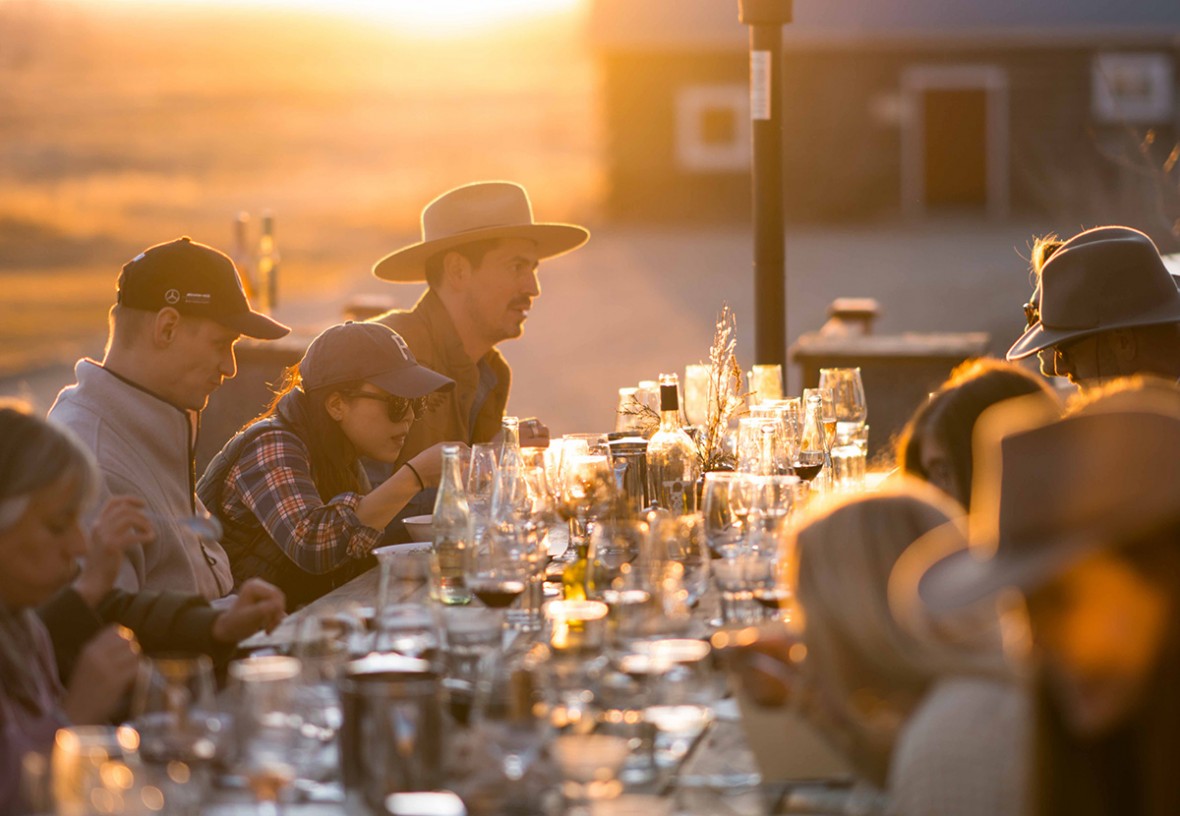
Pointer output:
x,y
289,489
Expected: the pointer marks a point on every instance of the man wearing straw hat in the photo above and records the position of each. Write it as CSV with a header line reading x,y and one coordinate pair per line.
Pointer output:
x,y
1105,306
479,256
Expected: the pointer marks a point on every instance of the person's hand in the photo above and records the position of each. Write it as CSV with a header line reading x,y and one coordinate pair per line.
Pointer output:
x,y
765,668
121,524
104,672
534,433
429,463
259,605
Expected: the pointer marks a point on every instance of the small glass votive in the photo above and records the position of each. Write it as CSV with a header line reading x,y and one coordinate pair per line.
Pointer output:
x,y
576,627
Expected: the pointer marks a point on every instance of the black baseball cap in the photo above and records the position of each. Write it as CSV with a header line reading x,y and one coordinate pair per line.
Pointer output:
x,y
372,352
194,279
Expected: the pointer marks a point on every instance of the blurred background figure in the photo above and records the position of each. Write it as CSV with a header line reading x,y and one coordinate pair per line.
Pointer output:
x,y
935,445
935,718
1090,534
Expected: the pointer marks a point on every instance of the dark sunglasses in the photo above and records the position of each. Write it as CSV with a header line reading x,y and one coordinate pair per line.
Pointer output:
x,y
395,406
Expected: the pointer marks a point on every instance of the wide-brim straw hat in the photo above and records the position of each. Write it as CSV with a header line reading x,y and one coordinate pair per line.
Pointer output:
x,y
1100,280
476,212
1049,491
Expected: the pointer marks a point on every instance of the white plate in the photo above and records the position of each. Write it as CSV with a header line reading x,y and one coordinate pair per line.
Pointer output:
x,y
402,549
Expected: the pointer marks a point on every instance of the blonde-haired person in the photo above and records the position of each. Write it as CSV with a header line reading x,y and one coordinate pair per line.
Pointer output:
x,y
935,718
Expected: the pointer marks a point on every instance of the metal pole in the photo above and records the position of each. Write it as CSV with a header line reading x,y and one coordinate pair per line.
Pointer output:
x,y
766,19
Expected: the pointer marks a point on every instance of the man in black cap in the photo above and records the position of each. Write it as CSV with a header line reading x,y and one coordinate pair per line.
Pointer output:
x,y
179,310
1105,307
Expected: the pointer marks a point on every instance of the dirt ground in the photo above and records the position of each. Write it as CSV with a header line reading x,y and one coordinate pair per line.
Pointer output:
x,y
638,301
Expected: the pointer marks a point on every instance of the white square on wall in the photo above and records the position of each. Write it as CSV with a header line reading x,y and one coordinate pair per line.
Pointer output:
x,y
713,127
1133,88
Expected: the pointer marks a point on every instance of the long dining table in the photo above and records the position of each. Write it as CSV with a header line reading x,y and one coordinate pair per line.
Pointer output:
x,y
718,775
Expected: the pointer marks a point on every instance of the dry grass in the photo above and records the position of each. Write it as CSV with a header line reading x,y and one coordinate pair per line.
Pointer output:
x,y
122,128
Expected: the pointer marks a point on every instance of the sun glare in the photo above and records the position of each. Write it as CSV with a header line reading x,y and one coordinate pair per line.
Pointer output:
x,y
440,18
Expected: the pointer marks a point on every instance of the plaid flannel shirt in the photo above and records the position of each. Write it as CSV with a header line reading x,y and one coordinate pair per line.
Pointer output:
x,y
271,481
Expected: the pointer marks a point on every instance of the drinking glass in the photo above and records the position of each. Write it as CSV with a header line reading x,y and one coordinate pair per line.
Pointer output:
x,y
510,715
766,381
682,540
614,547
848,394
409,629
812,453
589,765
95,768
627,411
576,636
722,524
499,568
180,727
686,688
267,725
469,635
481,481
401,573
696,393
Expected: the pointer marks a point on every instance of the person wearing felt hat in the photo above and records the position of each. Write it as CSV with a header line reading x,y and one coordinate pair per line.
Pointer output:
x,y
1104,307
179,310
1081,517
296,506
479,257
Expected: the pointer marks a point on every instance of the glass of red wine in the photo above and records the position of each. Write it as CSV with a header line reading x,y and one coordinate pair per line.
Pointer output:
x,y
499,568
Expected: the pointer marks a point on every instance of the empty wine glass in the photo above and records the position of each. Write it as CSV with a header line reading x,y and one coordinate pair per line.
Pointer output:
x,y
848,395
510,715
682,541
267,725
722,524
409,629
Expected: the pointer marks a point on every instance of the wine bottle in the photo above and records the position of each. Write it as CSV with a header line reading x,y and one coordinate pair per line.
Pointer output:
x,y
268,265
672,463
452,531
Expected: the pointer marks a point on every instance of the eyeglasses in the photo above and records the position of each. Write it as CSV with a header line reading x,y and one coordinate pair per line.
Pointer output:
x,y
396,406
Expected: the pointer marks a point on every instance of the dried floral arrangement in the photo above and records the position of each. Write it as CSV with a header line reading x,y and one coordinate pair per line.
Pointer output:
x,y
726,399
644,419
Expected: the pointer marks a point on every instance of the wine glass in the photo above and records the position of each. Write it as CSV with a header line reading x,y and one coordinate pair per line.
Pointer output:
x,y
175,711
848,393
510,715
615,546
682,541
267,726
409,629
498,568
93,764
722,522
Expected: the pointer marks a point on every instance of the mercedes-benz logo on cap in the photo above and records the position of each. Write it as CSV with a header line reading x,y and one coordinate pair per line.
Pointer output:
x,y
172,296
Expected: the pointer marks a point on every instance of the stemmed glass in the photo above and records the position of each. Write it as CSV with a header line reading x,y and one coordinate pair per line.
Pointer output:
x,y
682,541
510,714
498,568
723,525
264,689
848,394
175,712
